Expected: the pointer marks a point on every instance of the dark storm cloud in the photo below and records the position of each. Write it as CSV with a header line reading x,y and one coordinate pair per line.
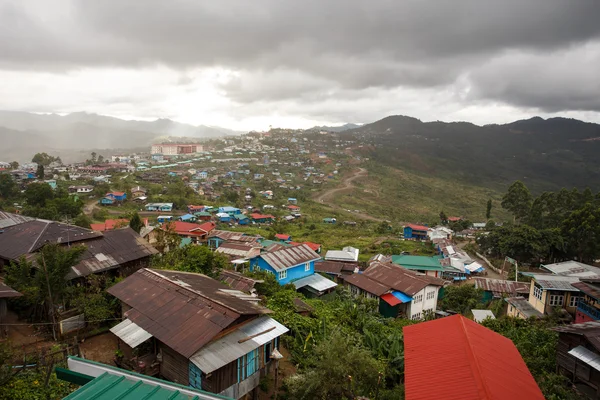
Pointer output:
x,y
294,49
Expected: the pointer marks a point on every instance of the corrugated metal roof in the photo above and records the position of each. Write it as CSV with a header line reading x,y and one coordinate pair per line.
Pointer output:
x,y
183,310
573,268
329,267
478,363
130,333
237,343
481,315
237,236
6,291
587,356
367,284
391,299
400,279
239,249
499,286
346,254
590,330
9,219
417,262
590,288
237,281
556,282
524,307
289,257
315,281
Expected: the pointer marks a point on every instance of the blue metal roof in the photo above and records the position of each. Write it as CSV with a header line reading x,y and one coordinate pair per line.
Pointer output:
x,y
402,297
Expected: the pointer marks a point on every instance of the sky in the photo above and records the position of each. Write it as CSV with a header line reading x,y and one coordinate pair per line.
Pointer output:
x,y
248,65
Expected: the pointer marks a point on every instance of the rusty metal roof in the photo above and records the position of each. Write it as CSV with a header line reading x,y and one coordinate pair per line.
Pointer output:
x,y
589,287
113,249
28,237
329,267
523,306
237,236
499,286
399,278
590,330
6,291
237,281
556,282
239,249
183,310
367,284
289,257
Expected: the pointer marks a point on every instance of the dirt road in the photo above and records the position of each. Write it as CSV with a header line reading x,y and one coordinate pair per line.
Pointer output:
x,y
328,196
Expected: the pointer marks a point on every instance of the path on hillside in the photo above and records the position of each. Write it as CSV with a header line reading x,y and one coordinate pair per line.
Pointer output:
x,y
328,196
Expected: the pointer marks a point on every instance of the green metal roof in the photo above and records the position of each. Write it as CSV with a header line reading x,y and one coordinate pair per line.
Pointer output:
x,y
111,387
418,262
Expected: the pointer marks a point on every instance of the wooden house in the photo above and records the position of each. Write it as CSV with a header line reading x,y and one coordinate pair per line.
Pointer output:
x,y
414,231
578,356
549,292
138,192
588,307
195,331
117,196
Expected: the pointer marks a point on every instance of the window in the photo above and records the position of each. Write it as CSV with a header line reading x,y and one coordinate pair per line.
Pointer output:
x,y
247,365
574,300
557,300
416,316
431,295
418,299
307,267
282,274
537,292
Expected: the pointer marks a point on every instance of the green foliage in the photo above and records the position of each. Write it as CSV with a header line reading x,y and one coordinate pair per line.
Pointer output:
x,y
192,258
44,159
93,300
488,209
517,200
83,221
136,222
29,385
38,193
40,173
8,187
443,217
461,299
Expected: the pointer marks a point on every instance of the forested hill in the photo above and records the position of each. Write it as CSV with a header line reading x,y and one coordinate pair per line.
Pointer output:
x,y
546,154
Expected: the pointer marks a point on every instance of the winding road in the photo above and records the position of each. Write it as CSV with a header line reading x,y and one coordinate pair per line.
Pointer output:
x,y
328,196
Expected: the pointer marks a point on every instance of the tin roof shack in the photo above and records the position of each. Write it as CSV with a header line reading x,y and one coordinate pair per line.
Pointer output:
x,y
401,292
479,363
120,250
196,330
499,288
578,356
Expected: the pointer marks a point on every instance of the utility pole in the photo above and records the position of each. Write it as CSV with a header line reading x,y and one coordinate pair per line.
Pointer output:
x,y
50,300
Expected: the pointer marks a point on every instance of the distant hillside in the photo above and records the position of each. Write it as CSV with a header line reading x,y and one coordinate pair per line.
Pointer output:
x,y
340,128
545,154
24,134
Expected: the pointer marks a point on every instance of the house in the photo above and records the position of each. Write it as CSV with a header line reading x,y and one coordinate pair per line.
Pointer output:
x,y
117,196
426,265
519,307
203,216
498,288
218,237
230,210
239,250
440,232
137,192
223,217
282,237
107,201
292,200
588,307
572,268
329,220
478,364
347,254
102,381
109,224
118,251
193,209
335,269
292,208
288,264
241,219
548,292
401,293
577,356
197,331
82,189
455,219
161,219
202,175
198,233
414,231
188,218
262,218
166,207
316,247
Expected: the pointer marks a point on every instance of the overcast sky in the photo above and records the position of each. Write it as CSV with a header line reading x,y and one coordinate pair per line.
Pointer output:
x,y
250,64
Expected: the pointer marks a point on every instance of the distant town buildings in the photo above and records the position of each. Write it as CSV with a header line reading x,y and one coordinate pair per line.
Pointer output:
x,y
173,149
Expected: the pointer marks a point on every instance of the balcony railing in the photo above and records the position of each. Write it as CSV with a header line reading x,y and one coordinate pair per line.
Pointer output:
x,y
589,310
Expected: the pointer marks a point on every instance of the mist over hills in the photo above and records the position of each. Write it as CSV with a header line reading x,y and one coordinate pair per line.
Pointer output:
x,y
23,134
544,153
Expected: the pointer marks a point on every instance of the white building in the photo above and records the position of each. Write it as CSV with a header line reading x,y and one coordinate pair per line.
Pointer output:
x,y
174,149
348,254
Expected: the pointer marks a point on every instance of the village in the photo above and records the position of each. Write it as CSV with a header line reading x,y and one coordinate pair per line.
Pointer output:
x,y
192,243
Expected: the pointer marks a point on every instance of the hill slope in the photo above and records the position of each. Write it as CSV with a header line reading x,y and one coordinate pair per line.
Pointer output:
x,y
545,154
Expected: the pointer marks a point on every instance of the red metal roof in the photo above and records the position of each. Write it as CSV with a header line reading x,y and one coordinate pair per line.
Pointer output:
x,y
190,228
282,236
314,246
261,216
390,299
476,363
109,224
118,194
416,227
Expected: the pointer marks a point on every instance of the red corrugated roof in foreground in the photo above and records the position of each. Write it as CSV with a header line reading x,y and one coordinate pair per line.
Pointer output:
x,y
476,363
416,227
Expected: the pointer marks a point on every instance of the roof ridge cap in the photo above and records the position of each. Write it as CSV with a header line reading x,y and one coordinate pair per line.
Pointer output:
x,y
475,364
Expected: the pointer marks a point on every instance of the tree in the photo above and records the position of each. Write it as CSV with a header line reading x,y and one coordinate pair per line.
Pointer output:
x,y
8,187
93,159
490,224
14,165
461,299
38,193
83,221
582,233
192,258
100,158
443,217
517,200
488,210
43,159
136,222
39,173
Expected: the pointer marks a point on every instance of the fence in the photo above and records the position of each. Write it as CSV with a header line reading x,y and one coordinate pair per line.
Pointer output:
x,y
489,264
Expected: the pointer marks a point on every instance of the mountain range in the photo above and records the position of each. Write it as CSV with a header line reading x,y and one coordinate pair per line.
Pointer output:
x,y
24,134
546,154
